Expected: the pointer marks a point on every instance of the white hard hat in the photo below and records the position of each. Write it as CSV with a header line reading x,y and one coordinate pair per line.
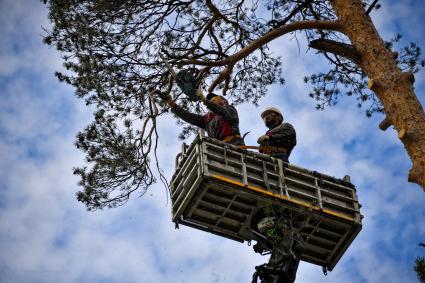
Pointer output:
x,y
271,109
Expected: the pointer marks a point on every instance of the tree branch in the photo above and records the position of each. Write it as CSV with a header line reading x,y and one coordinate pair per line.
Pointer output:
x,y
371,7
345,50
296,10
224,75
269,36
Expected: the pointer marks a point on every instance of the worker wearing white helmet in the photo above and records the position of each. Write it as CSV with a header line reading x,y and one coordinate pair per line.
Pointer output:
x,y
280,139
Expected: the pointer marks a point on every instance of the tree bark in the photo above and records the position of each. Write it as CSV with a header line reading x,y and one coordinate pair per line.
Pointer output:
x,y
393,87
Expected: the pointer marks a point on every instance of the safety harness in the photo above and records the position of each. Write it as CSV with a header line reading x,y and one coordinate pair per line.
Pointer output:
x,y
269,149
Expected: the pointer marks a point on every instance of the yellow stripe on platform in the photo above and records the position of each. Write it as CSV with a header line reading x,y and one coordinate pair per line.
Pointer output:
x,y
261,190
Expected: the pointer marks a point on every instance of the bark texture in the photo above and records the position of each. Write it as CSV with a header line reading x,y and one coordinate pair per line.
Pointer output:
x,y
393,87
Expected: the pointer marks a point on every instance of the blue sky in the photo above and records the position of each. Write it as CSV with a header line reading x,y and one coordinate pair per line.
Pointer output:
x,y
47,236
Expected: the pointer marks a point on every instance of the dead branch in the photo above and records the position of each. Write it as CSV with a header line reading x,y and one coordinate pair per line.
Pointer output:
x,y
346,50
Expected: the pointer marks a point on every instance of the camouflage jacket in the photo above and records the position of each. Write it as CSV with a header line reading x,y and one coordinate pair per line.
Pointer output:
x,y
220,122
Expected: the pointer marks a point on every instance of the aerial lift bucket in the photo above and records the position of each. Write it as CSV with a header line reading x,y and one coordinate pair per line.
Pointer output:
x,y
220,188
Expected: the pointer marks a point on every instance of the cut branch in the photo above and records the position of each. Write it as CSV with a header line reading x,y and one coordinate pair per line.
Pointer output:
x,y
342,49
385,124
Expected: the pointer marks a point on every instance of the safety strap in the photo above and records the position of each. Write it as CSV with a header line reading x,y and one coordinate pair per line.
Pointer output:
x,y
273,149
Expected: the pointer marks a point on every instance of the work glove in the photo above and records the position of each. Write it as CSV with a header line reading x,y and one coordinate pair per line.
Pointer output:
x,y
263,139
200,95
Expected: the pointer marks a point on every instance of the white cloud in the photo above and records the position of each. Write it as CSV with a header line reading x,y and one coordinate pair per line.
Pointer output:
x,y
47,236
20,44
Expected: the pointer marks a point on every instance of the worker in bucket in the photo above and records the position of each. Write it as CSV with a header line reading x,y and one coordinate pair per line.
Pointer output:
x,y
280,139
221,122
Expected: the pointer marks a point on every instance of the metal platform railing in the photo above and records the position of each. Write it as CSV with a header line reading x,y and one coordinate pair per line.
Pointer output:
x,y
218,188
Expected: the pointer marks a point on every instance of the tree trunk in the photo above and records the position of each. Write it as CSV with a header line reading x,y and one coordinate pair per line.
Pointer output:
x,y
393,87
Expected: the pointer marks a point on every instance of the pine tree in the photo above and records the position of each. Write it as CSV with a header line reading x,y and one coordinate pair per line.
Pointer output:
x,y
420,268
115,51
